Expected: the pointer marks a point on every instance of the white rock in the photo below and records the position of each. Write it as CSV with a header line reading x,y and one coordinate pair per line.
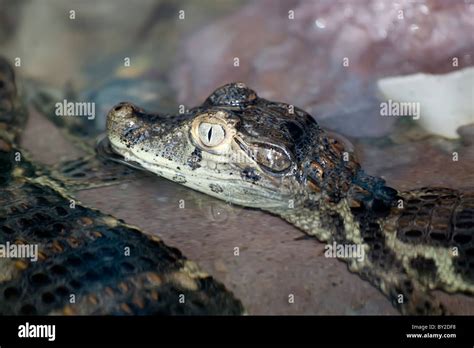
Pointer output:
x,y
446,101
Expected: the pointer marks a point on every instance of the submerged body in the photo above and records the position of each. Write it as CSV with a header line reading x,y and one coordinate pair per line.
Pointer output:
x,y
273,156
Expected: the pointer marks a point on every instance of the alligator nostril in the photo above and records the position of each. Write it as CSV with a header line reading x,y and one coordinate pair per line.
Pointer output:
x,y
118,108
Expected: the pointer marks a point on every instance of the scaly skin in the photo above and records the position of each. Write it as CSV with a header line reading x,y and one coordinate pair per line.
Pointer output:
x,y
103,264
273,156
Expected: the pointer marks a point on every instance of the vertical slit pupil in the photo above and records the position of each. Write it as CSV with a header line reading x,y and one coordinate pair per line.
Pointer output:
x,y
209,134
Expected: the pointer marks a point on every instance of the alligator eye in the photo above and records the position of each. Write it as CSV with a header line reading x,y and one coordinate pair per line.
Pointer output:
x,y
211,134
271,158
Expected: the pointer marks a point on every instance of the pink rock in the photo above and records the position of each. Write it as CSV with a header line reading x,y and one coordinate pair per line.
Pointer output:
x,y
300,60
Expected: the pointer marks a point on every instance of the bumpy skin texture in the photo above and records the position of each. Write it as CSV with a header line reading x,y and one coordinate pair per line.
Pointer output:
x,y
109,267
273,156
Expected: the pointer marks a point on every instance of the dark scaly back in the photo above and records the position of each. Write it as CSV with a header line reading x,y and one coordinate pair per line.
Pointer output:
x,y
417,241
83,252
440,218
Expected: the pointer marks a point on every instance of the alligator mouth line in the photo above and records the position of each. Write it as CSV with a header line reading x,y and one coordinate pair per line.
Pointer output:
x,y
105,150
